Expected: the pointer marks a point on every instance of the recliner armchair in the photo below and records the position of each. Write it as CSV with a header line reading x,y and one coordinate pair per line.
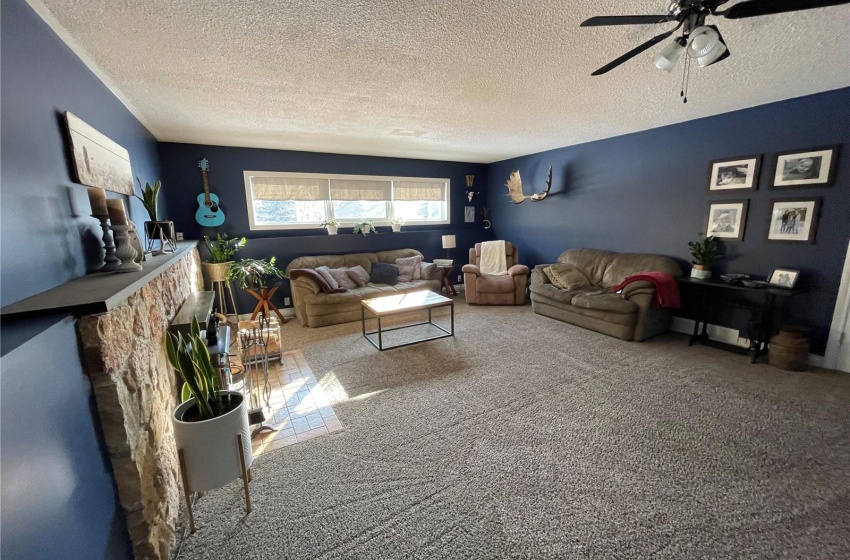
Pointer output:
x,y
487,289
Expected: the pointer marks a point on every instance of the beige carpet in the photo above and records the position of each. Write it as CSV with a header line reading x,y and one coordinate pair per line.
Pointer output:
x,y
524,437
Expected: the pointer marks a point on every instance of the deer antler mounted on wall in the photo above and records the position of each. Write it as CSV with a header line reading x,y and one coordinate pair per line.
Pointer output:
x,y
514,185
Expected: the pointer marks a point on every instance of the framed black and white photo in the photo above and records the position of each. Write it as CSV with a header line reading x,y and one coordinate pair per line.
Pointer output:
x,y
794,219
783,277
813,168
735,174
726,220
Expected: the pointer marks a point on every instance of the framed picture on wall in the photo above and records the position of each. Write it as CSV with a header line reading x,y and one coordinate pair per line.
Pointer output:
x,y
794,219
734,174
811,168
726,220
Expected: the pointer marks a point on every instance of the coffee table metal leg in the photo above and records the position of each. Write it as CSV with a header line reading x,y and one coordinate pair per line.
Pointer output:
x,y
453,318
380,338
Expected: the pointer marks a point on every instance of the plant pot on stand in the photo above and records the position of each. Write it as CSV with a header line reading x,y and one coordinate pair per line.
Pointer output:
x,y
219,274
213,452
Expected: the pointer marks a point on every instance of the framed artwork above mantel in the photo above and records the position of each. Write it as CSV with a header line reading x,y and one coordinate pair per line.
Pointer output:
x,y
97,160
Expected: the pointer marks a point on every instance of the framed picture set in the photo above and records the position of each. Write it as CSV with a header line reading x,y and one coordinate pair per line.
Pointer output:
x,y
810,168
726,220
783,277
794,219
734,174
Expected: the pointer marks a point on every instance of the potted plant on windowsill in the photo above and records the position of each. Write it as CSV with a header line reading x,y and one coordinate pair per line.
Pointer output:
x,y
396,223
331,225
365,227
253,275
221,256
703,255
211,427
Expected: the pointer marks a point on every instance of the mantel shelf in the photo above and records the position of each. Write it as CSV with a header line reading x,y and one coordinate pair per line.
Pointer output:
x,y
94,293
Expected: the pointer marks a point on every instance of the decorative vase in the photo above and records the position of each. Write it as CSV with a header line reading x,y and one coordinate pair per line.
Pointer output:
x,y
396,227
124,249
217,272
209,448
700,272
332,230
366,229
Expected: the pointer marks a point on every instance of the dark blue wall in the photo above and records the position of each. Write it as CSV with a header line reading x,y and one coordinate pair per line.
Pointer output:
x,y
647,192
182,183
57,488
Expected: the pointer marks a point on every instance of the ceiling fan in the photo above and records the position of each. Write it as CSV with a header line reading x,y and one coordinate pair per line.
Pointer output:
x,y
702,42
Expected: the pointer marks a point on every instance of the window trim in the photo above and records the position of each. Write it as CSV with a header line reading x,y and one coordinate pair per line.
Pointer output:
x,y
249,200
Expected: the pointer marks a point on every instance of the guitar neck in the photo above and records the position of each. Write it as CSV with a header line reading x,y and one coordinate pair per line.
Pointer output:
x,y
207,200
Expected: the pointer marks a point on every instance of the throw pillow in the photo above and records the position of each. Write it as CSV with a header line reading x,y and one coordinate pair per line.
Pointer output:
x,y
384,273
315,277
566,276
342,278
409,268
326,274
359,275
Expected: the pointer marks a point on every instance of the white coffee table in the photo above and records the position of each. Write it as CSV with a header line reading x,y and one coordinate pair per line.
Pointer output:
x,y
397,304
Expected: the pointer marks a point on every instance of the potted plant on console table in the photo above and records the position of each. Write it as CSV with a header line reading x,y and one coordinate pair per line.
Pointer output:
x,y
703,254
252,275
211,427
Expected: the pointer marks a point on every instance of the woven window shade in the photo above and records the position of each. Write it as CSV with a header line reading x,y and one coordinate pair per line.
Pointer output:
x,y
289,188
355,189
418,190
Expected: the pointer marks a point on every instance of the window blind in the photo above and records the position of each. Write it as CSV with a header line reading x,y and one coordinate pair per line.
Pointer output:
x,y
360,189
418,190
289,188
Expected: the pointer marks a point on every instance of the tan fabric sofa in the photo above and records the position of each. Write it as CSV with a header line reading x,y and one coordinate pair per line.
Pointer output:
x,y
316,309
629,315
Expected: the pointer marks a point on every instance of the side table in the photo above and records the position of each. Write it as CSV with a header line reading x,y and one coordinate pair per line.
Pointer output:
x,y
446,273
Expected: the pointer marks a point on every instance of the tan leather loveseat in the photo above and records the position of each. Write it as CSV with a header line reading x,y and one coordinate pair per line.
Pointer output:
x,y
313,308
628,315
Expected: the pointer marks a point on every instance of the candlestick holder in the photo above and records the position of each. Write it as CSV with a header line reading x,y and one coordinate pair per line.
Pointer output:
x,y
124,250
112,262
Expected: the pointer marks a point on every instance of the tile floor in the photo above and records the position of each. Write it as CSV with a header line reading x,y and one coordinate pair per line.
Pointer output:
x,y
299,409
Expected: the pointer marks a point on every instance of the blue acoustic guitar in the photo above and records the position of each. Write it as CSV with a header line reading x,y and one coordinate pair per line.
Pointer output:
x,y
209,213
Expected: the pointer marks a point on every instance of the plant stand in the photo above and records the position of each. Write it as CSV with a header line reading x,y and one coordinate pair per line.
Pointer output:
x,y
187,494
264,296
163,231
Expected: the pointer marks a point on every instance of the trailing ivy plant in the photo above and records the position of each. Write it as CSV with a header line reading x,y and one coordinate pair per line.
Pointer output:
x,y
223,248
358,227
190,358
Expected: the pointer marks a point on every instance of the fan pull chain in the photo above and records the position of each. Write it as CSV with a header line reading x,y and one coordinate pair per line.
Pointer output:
x,y
685,76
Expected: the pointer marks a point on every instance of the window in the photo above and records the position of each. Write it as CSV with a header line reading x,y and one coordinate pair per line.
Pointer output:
x,y
305,200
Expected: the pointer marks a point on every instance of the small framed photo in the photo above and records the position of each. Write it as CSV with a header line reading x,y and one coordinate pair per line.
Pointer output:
x,y
783,277
726,220
794,219
813,168
737,174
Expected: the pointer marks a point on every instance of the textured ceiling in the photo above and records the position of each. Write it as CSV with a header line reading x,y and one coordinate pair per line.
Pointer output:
x,y
462,80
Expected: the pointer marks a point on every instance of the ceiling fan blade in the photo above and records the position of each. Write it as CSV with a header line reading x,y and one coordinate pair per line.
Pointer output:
x,y
753,8
625,20
634,52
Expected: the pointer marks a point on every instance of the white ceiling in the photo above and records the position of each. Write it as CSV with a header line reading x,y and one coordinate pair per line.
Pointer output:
x,y
459,80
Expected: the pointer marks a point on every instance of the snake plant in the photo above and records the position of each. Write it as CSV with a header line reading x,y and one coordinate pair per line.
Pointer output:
x,y
190,358
149,196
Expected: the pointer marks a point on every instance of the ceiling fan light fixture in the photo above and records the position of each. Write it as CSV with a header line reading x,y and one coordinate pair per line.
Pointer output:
x,y
668,57
706,46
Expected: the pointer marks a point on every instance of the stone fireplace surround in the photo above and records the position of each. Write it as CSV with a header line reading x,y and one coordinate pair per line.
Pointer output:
x,y
135,391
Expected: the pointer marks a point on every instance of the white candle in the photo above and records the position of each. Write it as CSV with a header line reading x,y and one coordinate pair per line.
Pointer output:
x,y
117,214
97,199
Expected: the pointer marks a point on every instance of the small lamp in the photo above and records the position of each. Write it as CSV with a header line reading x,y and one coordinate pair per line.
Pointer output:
x,y
449,243
669,55
706,46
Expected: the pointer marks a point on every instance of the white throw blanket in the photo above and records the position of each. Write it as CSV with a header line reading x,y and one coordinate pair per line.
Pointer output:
x,y
493,258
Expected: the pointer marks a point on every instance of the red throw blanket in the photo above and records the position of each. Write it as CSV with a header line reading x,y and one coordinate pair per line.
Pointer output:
x,y
666,288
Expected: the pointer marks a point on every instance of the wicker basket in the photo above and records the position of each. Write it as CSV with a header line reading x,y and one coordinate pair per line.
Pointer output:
x,y
789,350
217,272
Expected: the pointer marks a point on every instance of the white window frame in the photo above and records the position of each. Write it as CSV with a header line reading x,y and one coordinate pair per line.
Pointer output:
x,y
249,200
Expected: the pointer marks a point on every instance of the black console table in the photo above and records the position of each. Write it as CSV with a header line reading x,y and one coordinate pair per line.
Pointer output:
x,y
767,297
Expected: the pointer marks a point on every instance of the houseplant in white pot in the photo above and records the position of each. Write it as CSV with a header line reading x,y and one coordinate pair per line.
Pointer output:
x,y
396,223
703,255
211,427
332,225
365,227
